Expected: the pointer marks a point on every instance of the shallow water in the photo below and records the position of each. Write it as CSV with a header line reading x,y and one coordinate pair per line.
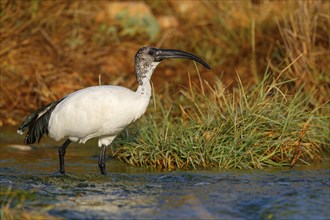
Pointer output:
x,y
128,192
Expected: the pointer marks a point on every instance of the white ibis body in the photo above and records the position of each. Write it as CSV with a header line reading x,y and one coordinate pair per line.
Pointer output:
x,y
99,111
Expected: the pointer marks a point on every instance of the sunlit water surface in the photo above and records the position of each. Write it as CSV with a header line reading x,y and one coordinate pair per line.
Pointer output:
x,y
128,192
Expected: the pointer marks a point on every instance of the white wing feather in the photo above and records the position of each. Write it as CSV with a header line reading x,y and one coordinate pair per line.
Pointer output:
x,y
100,111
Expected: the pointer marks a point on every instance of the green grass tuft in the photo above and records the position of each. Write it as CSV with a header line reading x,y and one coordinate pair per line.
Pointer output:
x,y
262,126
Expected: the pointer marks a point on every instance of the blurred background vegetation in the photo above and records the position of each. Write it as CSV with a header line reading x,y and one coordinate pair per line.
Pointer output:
x,y
52,48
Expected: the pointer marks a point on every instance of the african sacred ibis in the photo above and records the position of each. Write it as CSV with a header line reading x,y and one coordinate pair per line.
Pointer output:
x,y
99,111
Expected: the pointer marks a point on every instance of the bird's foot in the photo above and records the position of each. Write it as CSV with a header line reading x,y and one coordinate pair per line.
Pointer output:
x,y
102,168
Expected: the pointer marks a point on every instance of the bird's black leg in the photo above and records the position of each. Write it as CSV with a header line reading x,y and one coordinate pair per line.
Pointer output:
x,y
61,153
102,159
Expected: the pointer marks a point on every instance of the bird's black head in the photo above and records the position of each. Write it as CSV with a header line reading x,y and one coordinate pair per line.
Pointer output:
x,y
152,54
147,58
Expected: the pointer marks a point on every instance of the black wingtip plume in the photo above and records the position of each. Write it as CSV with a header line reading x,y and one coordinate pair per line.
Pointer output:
x,y
37,123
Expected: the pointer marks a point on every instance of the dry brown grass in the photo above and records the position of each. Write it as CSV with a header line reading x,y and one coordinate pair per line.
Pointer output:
x,y
305,37
51,48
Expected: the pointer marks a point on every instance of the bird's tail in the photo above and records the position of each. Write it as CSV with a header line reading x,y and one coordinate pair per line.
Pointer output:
x,y
37,123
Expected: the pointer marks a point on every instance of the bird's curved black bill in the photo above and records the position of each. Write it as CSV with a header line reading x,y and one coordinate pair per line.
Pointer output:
x,y
171,53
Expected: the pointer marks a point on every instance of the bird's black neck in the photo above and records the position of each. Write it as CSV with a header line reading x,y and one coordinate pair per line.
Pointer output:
x,y
143,76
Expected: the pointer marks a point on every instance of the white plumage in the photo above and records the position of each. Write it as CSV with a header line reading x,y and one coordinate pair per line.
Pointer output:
x,y
100,111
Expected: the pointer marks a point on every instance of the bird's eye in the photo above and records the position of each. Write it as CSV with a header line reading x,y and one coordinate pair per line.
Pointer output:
x,y
151,52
